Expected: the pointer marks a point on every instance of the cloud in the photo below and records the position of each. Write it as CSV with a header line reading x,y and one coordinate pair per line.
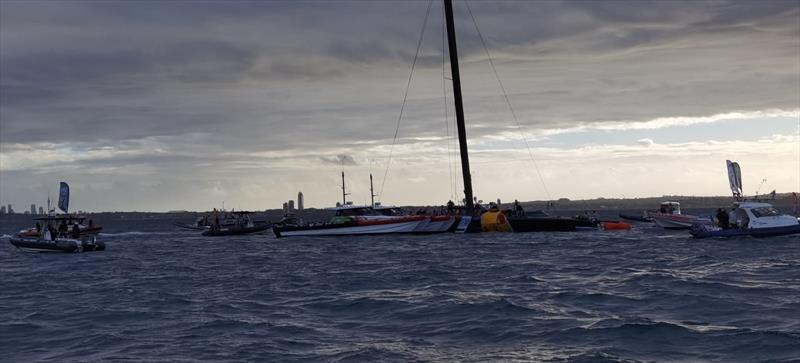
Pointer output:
x,y
345,160
155,90
645,142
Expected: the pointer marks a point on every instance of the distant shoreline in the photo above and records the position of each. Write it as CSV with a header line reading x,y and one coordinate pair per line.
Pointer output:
x,y
783,201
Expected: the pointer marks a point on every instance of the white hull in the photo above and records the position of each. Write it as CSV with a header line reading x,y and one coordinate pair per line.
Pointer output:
x,y
404,227
431,226
680,221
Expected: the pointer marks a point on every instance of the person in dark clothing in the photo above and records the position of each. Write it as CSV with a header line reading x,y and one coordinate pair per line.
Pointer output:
x,y
62,229
722,219
76,231
53,232
450,207
518,211
38,227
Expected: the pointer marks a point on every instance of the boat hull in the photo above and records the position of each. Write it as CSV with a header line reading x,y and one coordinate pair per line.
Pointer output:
x,y
59,245
350,228
436,224
635,218
84,232
703,231
236,231
189,226
678,221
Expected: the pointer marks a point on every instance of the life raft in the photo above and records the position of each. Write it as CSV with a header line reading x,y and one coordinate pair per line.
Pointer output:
x,y
616,226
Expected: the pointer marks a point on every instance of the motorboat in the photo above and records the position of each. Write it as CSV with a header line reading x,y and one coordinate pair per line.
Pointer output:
x,y
757,219
644,217
222,218
236,223
747,218
56,221
669,216
52,243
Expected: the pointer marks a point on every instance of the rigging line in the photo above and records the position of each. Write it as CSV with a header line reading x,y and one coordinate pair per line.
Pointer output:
x,y
508,102
405,97
446,119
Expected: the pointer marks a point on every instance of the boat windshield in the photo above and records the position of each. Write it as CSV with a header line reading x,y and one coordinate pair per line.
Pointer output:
x,y
765,212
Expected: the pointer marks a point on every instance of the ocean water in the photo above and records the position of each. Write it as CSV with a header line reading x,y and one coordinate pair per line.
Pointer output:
x,y
159,294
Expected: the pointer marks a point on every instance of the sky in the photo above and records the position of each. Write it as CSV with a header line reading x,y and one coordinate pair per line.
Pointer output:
x,y
169,105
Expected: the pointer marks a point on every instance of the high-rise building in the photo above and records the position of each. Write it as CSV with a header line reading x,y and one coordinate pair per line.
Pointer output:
x,y
41,210
2,209
291,205
300,201
10,209
285,207
33,208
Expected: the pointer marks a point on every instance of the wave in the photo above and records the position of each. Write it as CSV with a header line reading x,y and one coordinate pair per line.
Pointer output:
x,y
133,233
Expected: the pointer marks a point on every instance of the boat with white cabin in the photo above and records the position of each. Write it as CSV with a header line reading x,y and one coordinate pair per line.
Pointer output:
x,y
747,218
669,216
757,219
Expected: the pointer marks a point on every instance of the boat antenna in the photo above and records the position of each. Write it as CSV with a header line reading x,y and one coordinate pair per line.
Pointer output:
x,y
759,187
459,105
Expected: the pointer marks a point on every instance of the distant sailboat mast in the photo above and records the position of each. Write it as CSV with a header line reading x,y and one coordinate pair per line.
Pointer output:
x,y
371,191
462,133
344,191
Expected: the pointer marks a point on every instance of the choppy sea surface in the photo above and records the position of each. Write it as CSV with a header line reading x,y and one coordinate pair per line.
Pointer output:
x,y
160,294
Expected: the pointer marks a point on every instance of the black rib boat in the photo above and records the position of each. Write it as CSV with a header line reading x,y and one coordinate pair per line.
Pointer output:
x,y
235,230
66,245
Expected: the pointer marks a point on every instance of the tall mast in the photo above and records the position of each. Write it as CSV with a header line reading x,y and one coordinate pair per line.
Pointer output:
x,y
344,192
371,191
462,133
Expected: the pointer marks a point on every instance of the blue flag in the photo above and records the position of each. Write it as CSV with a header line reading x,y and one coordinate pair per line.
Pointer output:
x,y
63,197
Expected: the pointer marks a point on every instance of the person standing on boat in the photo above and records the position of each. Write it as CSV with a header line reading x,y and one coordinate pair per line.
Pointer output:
x,y
733,219
76,231
62,229
723,219
38,227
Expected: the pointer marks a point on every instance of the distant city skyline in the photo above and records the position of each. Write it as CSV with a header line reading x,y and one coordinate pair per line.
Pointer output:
x,y
183,105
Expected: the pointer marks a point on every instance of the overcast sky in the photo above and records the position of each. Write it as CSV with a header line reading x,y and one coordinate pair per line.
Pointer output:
x,y
185,104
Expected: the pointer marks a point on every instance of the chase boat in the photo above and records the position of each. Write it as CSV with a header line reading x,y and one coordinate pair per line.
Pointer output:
x,y
669,216
47,243
755,219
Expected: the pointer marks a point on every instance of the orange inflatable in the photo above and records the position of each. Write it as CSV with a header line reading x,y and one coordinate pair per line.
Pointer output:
x,y
616,226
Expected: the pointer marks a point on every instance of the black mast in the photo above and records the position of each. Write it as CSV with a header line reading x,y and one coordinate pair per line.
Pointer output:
x,y
344,193
371,191
462,133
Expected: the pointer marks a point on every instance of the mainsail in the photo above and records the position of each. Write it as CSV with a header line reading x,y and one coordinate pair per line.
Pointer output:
x,y
735,179
63,197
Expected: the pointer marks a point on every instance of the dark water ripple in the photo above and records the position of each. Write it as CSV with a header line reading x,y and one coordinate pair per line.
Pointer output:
x,y
161,295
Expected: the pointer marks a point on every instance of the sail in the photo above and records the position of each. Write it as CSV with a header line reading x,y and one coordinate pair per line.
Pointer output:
x,y
735,179
63,197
